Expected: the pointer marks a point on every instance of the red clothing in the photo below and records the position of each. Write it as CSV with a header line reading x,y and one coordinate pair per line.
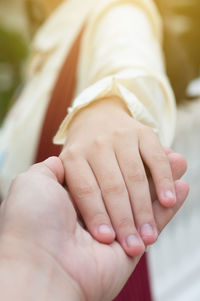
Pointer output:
x,y
137,288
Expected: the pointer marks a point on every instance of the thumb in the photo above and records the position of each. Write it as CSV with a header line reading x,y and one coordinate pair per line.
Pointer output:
x,y
51,167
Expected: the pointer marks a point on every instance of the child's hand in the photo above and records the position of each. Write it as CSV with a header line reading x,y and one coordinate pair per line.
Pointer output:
x,y
104,160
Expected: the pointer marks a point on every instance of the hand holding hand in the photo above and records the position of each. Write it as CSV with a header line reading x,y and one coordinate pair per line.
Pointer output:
x,y
38,223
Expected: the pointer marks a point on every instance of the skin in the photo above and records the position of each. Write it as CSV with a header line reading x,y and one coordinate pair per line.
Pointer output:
x,y
43,243
106,158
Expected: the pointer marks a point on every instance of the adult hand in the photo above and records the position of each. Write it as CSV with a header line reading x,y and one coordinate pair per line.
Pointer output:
x,y
39,225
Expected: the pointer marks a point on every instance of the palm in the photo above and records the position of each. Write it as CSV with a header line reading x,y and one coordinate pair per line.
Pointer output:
x,y
57,231
45,217
94,265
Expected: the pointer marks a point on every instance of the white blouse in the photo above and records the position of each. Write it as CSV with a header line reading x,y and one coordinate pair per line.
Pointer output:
x,y
121,55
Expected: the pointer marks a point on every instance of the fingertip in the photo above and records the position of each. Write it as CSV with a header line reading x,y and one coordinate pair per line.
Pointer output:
x,y
53,161
164,215
149,234
104,234
182,190
168,203
167,198
133,245
178,164
55,165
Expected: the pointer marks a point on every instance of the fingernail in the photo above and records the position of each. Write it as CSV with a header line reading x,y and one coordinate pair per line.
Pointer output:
x,y
105,229
133,240
169,195
147,230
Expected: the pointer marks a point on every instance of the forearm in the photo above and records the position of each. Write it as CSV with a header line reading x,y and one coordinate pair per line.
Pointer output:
x,y
126,47
124,59
120,37
25,275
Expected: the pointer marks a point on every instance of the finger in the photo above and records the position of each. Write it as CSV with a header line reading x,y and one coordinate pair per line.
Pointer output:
x,y
87,197
157,161
116,199
162,214
51,167
136,181
178,166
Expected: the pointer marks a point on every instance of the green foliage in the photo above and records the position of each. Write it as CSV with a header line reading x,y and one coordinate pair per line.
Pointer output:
x,y
13,51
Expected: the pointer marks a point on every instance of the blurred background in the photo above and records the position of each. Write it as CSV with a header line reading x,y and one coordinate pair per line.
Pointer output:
x,y
14,41
19,20
175,259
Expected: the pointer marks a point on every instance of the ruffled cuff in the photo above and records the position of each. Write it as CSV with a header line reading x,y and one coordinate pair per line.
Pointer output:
x,y
121,85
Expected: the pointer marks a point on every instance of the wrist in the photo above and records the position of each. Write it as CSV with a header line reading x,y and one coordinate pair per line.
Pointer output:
x,y
33,274
97,110
109,101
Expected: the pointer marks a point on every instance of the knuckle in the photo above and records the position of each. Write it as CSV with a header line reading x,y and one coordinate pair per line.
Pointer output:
x,y
165,181
147,131
100,142
84,191
99,217
125,223
136,175
160,158
144,211
71,153
121,132
114,188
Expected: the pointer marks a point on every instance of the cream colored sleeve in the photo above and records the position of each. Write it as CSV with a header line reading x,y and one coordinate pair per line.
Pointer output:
x,y
122,56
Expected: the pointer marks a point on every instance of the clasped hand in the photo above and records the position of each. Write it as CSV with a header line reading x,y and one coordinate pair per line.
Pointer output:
x,y
39,228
